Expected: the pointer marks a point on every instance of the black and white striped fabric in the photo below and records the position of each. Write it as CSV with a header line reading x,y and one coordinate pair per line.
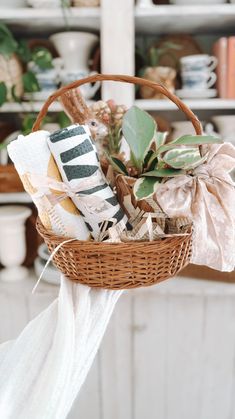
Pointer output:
x,y
78,163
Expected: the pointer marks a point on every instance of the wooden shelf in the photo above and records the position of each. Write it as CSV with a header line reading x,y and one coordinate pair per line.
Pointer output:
x,y
19,197
31,107
185,19
197,104
30,20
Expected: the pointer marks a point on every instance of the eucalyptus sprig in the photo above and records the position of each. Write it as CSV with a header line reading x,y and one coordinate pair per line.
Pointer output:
x,y
153,158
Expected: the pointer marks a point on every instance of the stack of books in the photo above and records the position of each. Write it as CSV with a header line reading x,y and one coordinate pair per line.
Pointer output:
x,y
224,50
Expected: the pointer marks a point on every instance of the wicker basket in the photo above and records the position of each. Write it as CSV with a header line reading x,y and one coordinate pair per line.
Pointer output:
x,y
119,265
9,179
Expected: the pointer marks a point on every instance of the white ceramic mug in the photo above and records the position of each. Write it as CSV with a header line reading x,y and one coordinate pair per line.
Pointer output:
x,y
198,80
198,62
88,90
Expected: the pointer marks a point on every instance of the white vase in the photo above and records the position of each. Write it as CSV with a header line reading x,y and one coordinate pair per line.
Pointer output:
x,y
74,49
226,126
12,242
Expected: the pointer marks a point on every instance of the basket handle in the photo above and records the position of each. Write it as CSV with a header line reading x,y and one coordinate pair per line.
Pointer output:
x,y
120,78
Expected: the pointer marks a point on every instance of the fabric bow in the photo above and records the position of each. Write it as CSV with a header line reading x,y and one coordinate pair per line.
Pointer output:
x,y
208,198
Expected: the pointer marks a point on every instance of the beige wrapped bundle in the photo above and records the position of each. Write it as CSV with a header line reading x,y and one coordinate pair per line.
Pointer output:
x,y
208,198
36,167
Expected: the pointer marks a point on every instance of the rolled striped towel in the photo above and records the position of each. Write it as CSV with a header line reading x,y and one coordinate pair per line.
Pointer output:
x,y
31,156
78,162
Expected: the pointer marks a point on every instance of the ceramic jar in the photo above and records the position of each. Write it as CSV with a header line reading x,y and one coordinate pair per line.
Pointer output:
x,y
13,241
162,75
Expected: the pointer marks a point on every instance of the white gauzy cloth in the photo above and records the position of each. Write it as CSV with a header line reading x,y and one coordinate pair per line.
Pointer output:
x,y
43,370
31,155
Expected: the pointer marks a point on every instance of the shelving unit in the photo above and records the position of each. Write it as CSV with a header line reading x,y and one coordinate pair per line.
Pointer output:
x,y
198,104
37,20
184,19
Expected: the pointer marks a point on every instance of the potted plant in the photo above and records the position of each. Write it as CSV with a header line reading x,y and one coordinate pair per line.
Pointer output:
x,y
155,72
15,78
153,161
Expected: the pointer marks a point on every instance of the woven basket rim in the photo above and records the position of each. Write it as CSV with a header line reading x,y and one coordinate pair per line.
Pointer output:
x,y
91,244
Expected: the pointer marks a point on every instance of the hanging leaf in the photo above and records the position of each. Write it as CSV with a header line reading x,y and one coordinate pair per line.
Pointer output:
x,y
138,129
30,82
23,51
164,173
160,138
118,165
190,140
145,187
187,158
3,93
8,44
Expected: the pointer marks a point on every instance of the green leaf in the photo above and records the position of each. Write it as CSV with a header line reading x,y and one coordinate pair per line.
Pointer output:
x,y
153,162
147,158
197,140
190,140
30,82
145,187
118,165
42,58
138,129
160,138
187,158
24,51
27,123
3,93
63,120
8,44
164,173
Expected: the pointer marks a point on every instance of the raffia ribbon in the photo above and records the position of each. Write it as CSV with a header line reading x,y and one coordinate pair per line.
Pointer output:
x,y
95,205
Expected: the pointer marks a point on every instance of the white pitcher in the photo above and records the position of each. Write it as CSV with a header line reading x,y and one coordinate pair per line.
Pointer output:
x,y
74,48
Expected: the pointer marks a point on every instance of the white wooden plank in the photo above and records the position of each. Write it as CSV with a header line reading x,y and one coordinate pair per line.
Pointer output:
x,y
116,365
150,356
183,351
13,314
217,369
87,405
117,48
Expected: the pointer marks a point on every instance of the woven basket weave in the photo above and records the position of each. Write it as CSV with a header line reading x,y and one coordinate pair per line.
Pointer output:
x,y
119,265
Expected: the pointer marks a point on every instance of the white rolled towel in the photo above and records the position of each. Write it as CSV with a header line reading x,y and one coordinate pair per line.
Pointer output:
x,y
31,156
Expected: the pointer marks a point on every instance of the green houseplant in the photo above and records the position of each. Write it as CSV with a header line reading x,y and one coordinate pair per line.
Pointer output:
x,y
153,161
14,57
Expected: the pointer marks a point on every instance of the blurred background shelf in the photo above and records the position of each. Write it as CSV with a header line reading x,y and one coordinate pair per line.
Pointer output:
x,y
37,20
13,107
165,19
197,104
